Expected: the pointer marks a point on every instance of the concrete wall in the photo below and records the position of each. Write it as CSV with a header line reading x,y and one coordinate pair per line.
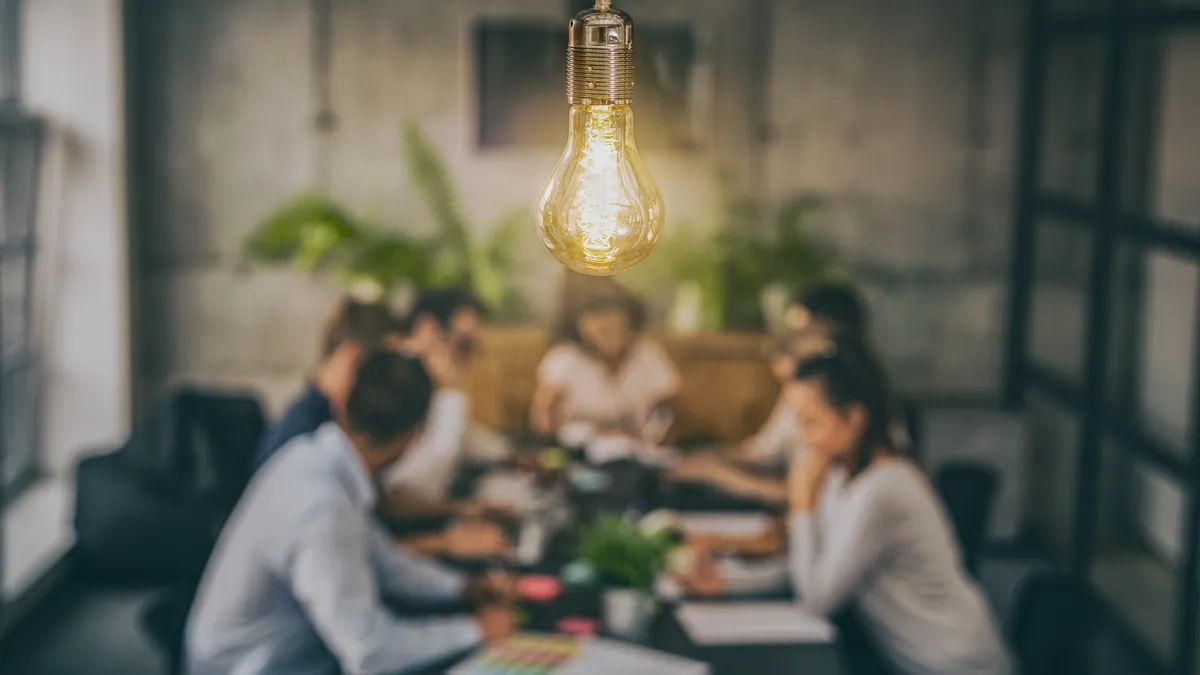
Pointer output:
x,y
900,113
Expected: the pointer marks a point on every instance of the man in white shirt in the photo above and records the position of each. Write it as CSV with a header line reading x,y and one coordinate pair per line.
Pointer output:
x,y
297,580
442,328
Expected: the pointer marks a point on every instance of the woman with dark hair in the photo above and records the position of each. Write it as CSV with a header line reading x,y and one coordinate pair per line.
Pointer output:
x,y
601,370
866,526
821,313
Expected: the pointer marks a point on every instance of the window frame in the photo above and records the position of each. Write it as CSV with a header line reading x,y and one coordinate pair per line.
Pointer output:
x,y
1115,225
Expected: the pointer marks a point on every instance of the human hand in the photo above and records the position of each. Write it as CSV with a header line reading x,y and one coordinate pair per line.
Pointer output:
x,y
768,542
701,468
805,478
496,622
445,367
476,539
492,588
485,510
703,578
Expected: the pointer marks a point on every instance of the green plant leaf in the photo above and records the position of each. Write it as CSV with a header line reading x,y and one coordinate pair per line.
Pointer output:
x,y
428,171
307,231
389,259
622,554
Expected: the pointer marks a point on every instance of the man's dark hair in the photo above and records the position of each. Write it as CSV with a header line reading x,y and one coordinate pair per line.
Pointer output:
x,y
836,304
442,304
390,397
363,323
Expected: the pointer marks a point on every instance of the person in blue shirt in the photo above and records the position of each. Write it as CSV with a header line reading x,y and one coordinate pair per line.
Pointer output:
x,y
441,330
297,582
356,327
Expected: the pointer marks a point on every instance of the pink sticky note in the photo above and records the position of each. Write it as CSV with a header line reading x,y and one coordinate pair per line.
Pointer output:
x,y
539,588
577,626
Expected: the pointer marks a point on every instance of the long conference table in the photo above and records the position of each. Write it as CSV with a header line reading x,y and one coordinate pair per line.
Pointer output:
x,y
639,487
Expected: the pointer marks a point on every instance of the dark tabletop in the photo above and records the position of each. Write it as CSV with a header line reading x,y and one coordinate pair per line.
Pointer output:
x,y
640,489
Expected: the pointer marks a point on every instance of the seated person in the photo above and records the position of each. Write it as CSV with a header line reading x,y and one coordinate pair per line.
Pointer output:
x,y
771,448
443,331
601,369
866,527
297,582
356,328
823,312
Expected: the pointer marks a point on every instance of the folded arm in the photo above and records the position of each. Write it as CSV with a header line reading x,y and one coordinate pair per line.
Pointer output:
x,y
406,576
827,564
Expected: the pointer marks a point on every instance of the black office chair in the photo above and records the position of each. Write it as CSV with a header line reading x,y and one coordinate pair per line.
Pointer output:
x,y
858,652
969,491
1053,624
164,621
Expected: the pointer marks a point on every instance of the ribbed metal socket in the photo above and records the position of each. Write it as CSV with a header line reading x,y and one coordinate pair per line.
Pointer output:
x,y
600,58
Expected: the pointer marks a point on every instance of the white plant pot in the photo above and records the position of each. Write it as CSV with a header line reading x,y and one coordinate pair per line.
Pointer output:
x,y
627,613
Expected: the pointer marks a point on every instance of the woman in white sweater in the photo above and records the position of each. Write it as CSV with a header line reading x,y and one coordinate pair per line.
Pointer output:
x,y
866,527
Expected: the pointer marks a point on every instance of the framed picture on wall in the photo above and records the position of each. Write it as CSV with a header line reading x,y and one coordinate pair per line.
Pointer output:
x,y
521,81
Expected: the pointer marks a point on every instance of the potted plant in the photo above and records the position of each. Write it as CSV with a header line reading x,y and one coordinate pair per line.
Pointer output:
x,y
626,559
488,266
763,271
314,234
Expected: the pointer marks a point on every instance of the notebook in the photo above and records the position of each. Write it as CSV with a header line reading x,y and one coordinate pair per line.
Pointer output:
x,y
752,623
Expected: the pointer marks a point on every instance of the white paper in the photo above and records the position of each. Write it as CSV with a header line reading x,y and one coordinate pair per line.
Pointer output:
x,y
576,434
752,623
747,577
660,456
725,524
514,490
608,657
608,449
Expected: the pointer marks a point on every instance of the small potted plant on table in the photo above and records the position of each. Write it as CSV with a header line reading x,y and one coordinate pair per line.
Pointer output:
x,y
626,559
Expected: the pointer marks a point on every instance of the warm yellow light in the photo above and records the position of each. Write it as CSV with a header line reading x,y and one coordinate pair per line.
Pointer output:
x,y
600,212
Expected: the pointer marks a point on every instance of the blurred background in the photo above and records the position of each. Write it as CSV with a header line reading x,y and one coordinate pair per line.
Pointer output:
x,y
1014,185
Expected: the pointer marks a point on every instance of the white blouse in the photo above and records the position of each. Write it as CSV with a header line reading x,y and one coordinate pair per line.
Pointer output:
x,y
591,392
777,440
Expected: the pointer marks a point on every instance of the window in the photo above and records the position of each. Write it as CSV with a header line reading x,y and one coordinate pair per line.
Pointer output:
x,y
1138,546
1174,196
20,154
1060,290
1106,297
1054,437
1071,117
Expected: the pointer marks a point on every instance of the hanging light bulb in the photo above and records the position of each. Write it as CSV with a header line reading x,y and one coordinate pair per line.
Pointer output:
x,y
600,212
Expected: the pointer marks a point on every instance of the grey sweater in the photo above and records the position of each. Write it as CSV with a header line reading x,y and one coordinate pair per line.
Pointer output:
x,y
883,540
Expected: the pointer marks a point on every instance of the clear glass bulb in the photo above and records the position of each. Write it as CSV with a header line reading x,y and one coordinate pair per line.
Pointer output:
x,y
601,212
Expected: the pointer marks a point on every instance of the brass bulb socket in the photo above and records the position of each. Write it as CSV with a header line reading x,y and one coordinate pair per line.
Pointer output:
x,y
600,58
